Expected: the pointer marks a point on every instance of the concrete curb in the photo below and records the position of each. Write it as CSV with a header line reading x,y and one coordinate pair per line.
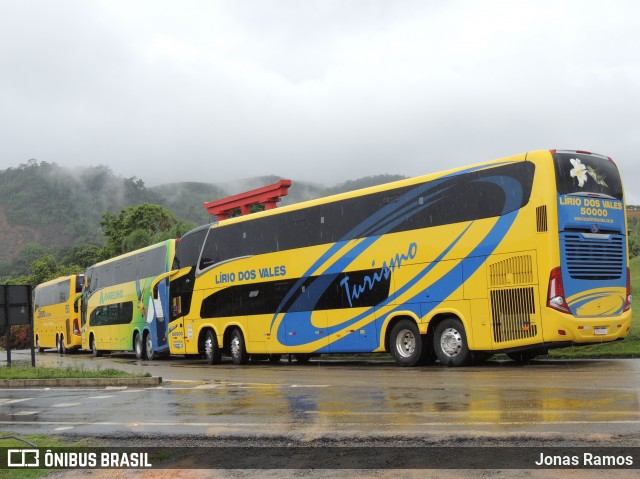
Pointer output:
x,y
80,382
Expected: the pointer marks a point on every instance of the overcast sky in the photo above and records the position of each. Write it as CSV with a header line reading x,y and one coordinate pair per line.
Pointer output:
x,y
315,90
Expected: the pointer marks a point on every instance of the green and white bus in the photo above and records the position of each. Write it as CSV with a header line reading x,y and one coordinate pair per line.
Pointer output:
x,y
119,312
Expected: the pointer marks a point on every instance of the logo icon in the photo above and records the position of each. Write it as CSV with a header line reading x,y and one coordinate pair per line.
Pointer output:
x,y
23,458
594,229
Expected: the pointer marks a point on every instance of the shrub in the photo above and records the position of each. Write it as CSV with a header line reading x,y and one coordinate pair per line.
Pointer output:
x,y
21,337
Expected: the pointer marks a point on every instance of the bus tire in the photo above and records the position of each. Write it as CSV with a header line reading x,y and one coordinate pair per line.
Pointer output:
x,y
138,347
406,343
212,352
94,348
60,345
238,350
450,343
38,347
149,353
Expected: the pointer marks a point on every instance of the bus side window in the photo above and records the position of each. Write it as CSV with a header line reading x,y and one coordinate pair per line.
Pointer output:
x,y
176,307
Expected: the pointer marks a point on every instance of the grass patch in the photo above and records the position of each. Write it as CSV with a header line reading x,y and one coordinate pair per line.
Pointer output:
x,y
12,440
28,372
628,348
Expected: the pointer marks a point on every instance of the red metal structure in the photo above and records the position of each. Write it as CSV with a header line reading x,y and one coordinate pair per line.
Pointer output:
x,y
267,195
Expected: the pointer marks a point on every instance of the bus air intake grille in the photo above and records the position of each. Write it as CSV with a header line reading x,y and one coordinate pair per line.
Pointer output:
x,y
594,257
511,311
511,271
541,219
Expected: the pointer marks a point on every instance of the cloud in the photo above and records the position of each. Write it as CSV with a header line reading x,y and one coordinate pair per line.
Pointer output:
x,y
321,90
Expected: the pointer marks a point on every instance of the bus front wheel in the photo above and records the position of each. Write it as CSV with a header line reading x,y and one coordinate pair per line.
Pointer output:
x,y
60,345
211,349
94,348
137,346
406,344
450,343
238,350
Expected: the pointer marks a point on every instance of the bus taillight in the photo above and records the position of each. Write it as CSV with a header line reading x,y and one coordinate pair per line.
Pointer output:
x,y
555,295
76,327
628,298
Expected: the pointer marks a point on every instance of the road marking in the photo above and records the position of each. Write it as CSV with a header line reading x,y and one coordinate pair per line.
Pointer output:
x,y
23,413
309,386
64,428
100,397
66,404
13,401
241,386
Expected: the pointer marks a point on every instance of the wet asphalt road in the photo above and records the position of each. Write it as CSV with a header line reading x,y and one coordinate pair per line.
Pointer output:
x,y
355,400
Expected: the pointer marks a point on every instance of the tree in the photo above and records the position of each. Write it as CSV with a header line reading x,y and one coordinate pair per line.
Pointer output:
x,y
83,256
30,252
138,226
46,268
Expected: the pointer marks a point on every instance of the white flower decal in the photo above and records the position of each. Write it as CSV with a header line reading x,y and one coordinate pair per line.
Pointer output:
x,y
579,171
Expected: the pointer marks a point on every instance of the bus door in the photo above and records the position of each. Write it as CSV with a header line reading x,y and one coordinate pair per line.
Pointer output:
x,y
157,313
180,293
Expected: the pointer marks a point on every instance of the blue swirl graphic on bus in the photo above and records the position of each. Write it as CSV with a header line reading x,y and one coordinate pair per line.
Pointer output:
x,y
354,291
297,313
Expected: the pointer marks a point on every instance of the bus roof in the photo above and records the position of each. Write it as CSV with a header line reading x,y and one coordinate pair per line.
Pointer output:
x,y
377,188
131,253
59,279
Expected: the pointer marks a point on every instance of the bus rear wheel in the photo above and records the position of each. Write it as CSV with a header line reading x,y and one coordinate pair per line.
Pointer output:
x,y
149,353
406,344
60,345
238,350
450,343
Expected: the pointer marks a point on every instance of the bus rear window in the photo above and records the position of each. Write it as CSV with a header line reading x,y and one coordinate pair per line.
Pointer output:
x,y
581,173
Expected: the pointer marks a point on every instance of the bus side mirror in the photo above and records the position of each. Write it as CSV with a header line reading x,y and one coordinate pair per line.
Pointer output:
x,y
76,308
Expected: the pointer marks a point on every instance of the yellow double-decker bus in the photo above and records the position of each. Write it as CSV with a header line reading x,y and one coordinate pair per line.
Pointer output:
x,y
56,320
119,312
516,255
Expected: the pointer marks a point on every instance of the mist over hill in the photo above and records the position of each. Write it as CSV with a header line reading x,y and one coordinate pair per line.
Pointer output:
x,y
58,208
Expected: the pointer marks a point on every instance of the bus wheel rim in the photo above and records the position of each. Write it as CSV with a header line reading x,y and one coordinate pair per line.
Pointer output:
x,y
235,346
451,342
148,346
208,347
406,343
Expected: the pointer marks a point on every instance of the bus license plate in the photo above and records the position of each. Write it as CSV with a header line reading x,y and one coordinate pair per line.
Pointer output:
x,y
600,331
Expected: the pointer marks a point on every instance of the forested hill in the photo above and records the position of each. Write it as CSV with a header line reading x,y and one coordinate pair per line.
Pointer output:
x,y
57,208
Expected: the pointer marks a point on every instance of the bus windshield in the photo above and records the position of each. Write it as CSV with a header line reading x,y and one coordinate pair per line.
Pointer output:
x,y
583,173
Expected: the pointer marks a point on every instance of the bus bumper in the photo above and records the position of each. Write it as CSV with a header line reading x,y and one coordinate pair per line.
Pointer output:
x,y
565,327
